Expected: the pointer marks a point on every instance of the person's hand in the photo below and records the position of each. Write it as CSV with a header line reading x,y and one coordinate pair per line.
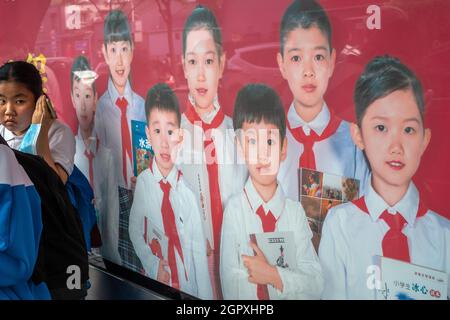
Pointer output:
x,y
259,270
41,114
209,250
133,183
163,275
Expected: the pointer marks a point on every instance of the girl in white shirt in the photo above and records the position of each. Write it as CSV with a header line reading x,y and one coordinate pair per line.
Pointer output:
x,y
208,155
22,104
391,220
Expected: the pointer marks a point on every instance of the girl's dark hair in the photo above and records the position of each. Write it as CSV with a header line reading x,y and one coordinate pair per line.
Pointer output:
x,y
256,103
304,14
382,76
203,18
24,73
81,63
116,28
162,97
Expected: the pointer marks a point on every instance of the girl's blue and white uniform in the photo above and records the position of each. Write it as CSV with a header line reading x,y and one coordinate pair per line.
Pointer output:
x,y
20,231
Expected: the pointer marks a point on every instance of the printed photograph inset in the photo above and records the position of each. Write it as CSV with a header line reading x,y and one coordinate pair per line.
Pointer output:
x,y
350,189
332,187
311,183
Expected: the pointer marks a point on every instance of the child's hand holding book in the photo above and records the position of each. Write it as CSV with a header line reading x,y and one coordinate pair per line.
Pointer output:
x,y
259,269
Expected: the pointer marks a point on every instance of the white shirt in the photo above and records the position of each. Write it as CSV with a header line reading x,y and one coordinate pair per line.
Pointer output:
x,y
335,155
105,192
61,142
304,282
147,202
351,238
108,124
232,172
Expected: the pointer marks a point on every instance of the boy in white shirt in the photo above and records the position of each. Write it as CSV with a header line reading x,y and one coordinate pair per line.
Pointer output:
x,y
263,207
317,138
163,198
391,220
115,110
93,159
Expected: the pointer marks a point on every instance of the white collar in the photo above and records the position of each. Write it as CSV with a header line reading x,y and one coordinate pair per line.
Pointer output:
x,y
318,124
92,140
128,93
407,206
275,205
172,178
207,117
9,135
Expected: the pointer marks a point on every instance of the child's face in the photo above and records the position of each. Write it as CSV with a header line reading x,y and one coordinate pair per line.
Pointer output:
x,y
118,56
164,134
393,137
17,105
84,101
203,67
307,65
263,150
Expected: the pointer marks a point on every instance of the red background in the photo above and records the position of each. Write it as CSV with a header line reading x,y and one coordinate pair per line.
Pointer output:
x,y
418,32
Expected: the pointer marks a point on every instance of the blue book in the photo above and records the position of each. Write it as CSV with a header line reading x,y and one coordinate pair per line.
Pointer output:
x,y
142,150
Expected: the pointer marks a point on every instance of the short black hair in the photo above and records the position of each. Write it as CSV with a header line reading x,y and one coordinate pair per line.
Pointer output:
x,y
203,18
116,28
162,97
81,63
304,14
256,103
24,73
382,76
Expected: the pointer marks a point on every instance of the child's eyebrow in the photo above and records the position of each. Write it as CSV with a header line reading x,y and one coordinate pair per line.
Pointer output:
x,y
413,120
294,49
380,118
20,95
321,48
194,54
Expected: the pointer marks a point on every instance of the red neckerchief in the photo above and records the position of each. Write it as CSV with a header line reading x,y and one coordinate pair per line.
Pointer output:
x,y
212,168
394,243
308,158
268,224
170,229
122,104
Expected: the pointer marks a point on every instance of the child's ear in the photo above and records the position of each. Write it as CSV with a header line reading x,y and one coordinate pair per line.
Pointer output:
x,y
239,147
183,62
284,149
105,54
426,140
180,136
333,61
131,52
147,133
356,134
222,64
281,65
73,101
